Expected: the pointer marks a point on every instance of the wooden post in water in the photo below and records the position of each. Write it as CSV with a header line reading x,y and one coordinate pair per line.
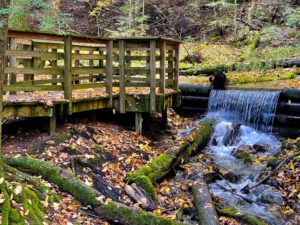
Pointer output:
x,y
68,71
152,65
122,90
109,71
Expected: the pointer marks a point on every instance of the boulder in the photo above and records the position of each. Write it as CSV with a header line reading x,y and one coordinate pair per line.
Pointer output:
x,y
232,135
271,196
261,147
243,148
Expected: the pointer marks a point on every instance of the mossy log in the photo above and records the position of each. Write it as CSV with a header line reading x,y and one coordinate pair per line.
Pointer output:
x,y
206,212
272,64
232,212
160,166
111,211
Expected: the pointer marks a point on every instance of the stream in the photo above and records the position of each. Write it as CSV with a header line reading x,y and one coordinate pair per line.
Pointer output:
x,y
252,112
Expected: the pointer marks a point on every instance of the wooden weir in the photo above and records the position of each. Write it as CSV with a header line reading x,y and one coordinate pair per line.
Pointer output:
x,y
48,75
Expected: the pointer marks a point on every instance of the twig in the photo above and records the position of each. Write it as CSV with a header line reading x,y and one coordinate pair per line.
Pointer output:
x,y
252,27
272,173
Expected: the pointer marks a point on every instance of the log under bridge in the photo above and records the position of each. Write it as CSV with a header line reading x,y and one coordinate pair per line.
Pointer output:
x,y
50,75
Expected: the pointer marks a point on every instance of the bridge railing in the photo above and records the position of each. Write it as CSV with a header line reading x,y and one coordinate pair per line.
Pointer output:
x,y
50,62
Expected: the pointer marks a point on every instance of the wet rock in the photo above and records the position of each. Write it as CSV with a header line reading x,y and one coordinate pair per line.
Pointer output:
x,y
232,135
271,196
245,156
214,142
261,147
242,148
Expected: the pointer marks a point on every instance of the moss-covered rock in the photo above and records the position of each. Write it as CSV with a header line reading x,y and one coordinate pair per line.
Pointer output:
x,y
245,156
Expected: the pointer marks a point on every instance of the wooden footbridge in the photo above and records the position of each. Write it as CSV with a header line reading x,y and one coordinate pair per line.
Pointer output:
x,y
50,75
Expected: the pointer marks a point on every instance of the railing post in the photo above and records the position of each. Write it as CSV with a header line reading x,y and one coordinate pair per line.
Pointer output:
x,y
170,64
54,64
152,65
122,90
176,67
68,70
13,64
162,85
109,71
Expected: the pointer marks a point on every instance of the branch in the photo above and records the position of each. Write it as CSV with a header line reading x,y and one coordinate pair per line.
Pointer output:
x,y
252,27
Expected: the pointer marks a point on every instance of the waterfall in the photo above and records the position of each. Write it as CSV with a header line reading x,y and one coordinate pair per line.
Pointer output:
x,y
252,108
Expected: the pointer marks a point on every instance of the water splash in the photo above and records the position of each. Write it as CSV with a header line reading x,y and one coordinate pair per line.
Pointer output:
x,y
252,108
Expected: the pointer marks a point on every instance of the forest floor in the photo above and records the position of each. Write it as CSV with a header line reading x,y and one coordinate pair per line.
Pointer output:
x,y
115,149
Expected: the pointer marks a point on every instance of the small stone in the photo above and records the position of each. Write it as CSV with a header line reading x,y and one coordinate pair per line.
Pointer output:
x,y
261,147
271,196
50,142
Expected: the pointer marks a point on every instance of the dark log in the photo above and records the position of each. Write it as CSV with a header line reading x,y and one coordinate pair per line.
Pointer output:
x,y
195,90
287,120
139,195
88,165
206,212
195,100
287,131
272,64
252,27
109,211
292,109
108,191
291,93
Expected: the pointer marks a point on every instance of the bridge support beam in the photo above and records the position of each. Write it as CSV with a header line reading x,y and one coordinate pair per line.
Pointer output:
x,y
138,122
52,125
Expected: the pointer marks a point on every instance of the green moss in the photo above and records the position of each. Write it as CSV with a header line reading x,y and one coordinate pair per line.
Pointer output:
x,y
15,217
68,182
5,206
234,213
145,183
137,218
245,156
32,205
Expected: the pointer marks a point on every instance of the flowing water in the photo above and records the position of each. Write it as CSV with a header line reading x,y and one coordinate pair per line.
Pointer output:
x,y
255,111
251,108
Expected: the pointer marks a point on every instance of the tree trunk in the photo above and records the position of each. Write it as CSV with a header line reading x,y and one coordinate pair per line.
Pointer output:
x,y
109,211
209,70
160,166
206,212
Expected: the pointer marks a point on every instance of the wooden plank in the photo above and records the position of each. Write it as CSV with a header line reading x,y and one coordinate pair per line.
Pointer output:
x,y
49,45
88,56
176,72
91,64
33,88
89,85
109,71
170,65
88,70
152,76
88,77
122,76
68,71
30,35
143,58
77,65
41,71
162,67
37,82
31,54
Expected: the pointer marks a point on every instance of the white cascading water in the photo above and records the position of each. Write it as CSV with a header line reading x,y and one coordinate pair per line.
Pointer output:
x,y
252,108
255,111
